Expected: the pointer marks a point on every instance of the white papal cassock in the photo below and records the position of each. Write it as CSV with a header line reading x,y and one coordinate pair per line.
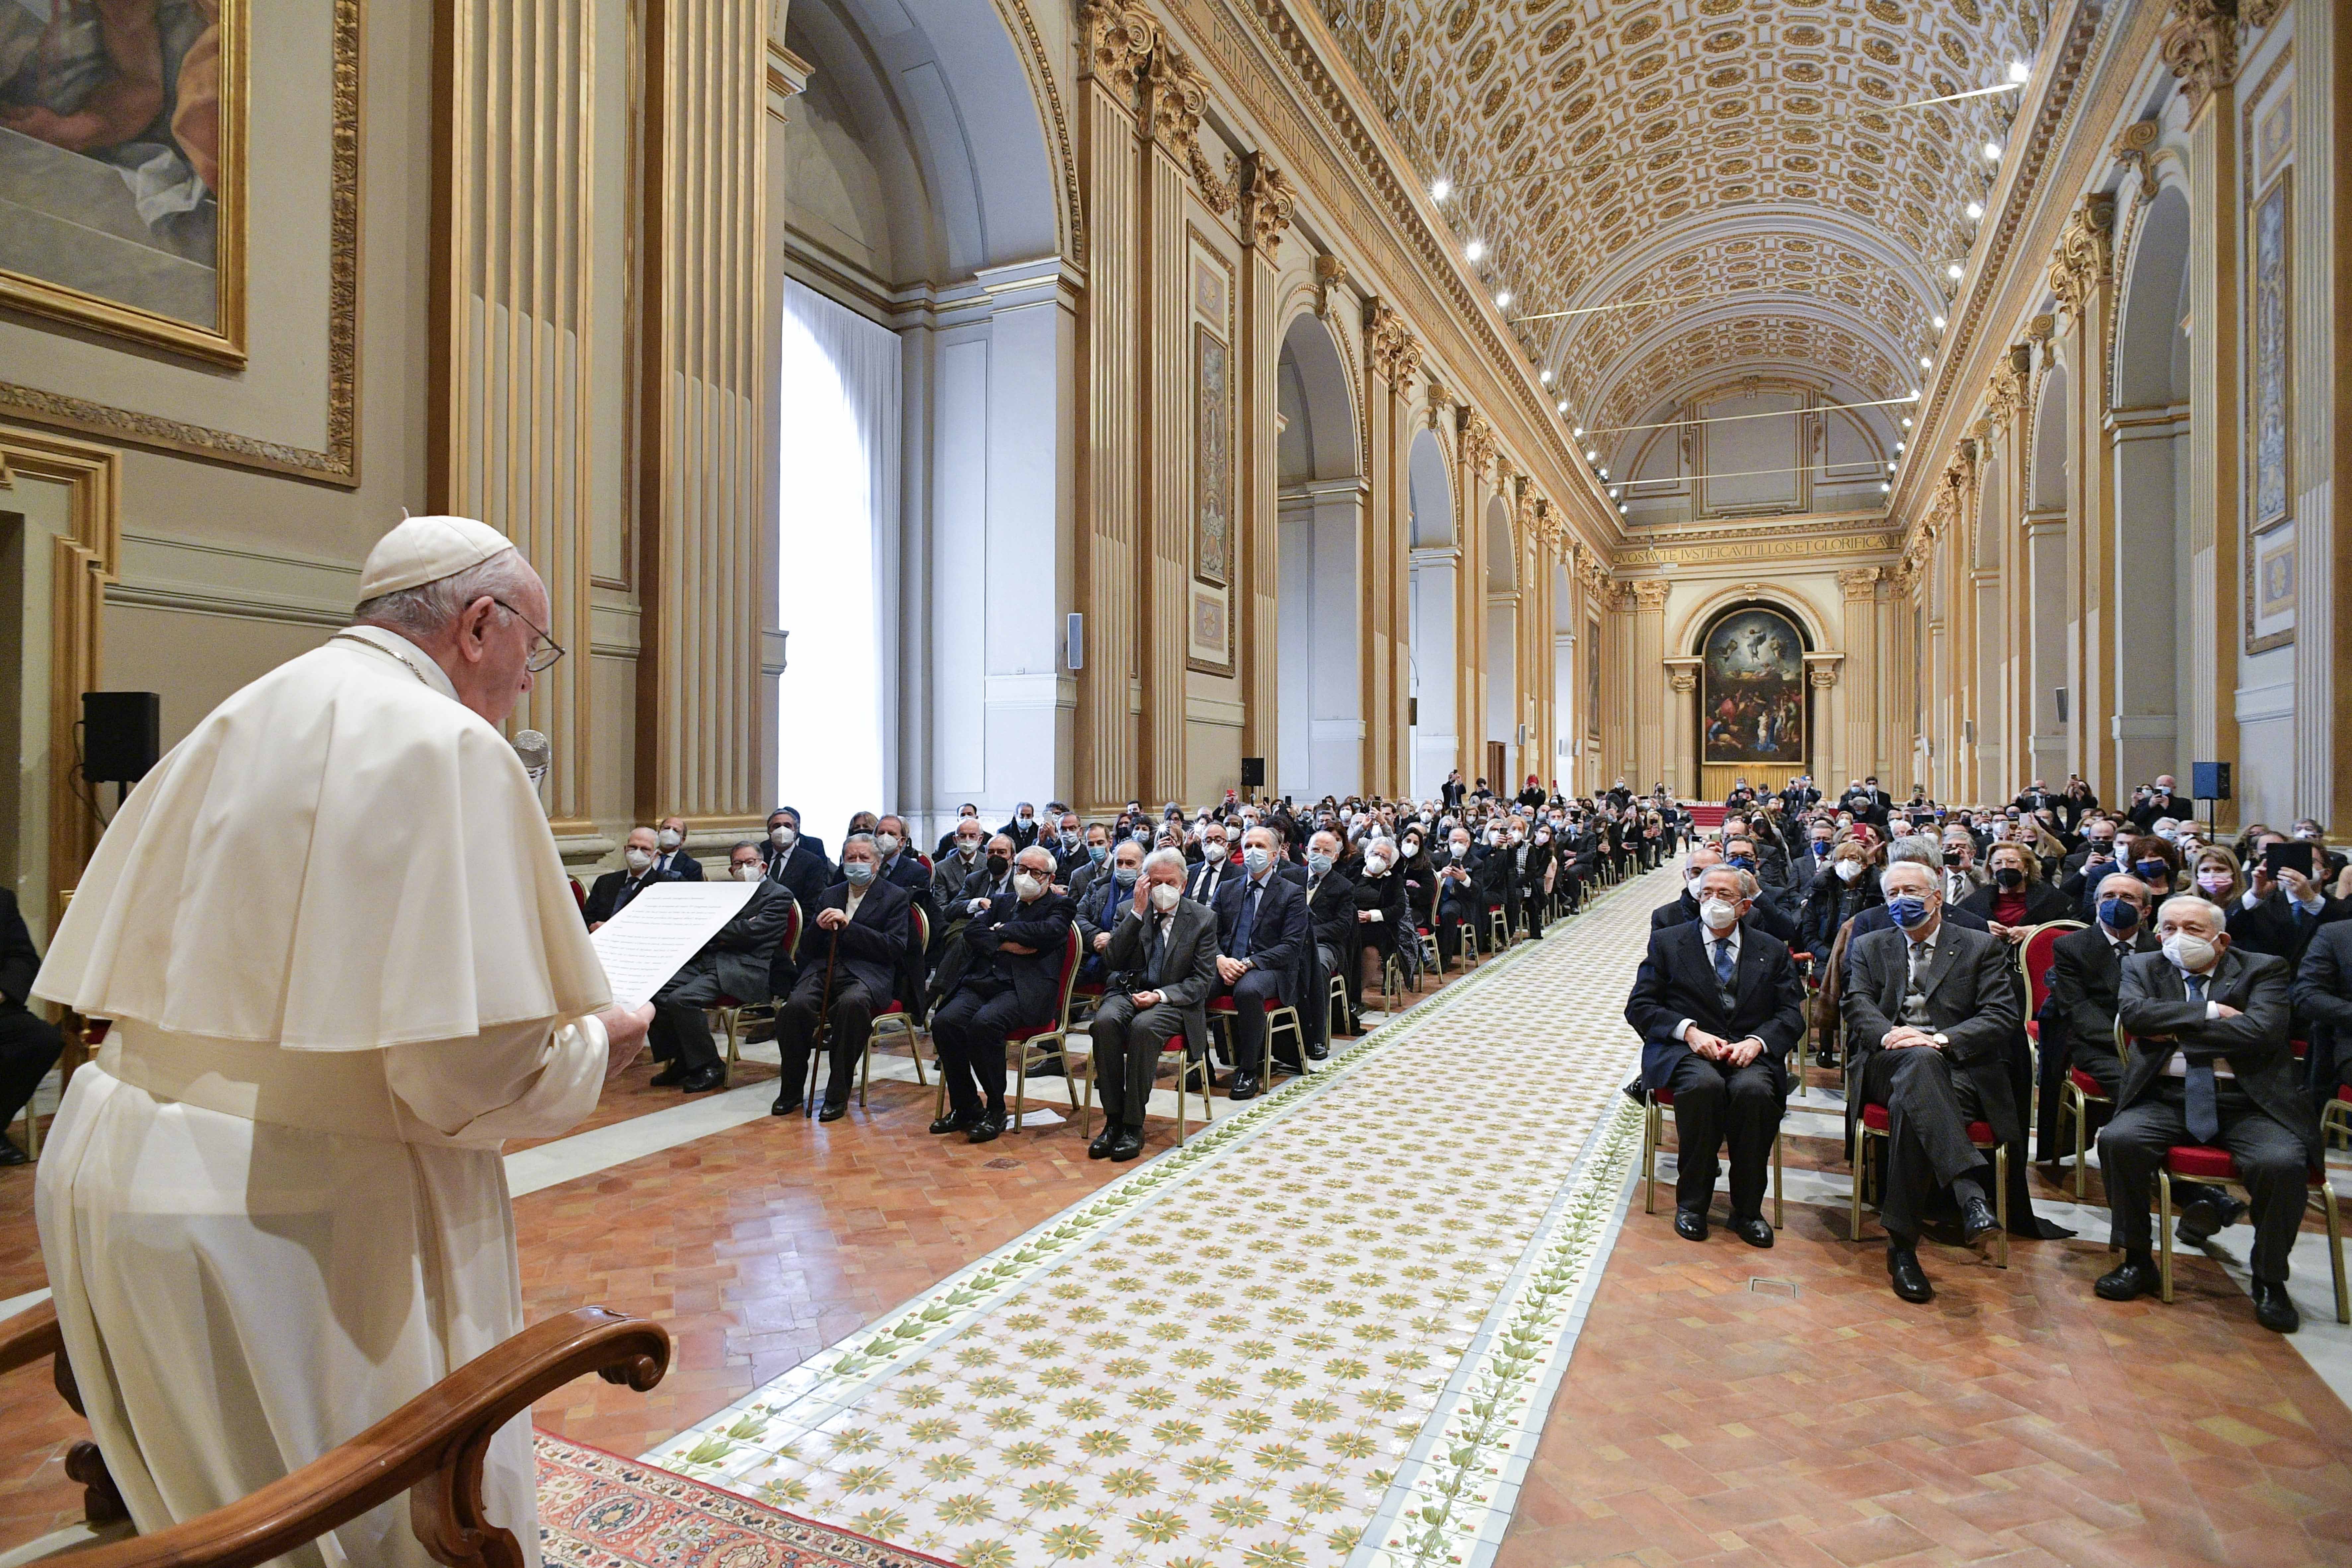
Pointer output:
x,y
343,963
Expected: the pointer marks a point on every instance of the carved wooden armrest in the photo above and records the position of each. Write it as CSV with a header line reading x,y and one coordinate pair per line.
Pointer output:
x,y
432,1447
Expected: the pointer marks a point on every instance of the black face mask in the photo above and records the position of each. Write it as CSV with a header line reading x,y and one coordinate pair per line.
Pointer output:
x,y
2009,877
1000,864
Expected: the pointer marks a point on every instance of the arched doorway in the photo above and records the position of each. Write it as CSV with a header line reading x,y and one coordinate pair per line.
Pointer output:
x,y
2152,569
1435,562
2049,542
1319,612
1988,664
1568,714
1755,710
1501,764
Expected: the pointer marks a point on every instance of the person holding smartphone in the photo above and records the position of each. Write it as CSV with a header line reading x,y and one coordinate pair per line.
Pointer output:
x,y
2294,903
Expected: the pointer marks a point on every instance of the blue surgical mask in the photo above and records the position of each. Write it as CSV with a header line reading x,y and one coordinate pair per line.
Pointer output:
x,y
1318,862
1740,863
2149,870
1256,861
1909,910
1123,876
1097,853
2119,914
859,872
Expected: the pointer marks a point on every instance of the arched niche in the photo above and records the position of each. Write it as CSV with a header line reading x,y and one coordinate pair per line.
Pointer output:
x,y
1755,712
1433,586
1319,615
1499,762
2047,542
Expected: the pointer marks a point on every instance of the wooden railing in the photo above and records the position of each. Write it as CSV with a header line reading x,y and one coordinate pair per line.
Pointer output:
x,y
432,1448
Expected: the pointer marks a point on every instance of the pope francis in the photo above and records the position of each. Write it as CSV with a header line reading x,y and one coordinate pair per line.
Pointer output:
x,y
344,964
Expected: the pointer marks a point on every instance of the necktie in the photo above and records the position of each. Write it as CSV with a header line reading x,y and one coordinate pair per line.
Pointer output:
x,y
2203,1109
1158,946
1242,925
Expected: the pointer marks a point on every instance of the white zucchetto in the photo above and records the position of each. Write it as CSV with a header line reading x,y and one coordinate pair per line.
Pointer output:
x,y
422,550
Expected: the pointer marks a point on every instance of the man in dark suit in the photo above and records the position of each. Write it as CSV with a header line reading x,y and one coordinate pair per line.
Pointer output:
x,y
2160,802
2034,796
1457,858
1332,945
1217,865
1451,791
1762,915
1162,956
1930,1008
30,1044
2322,999
784,832
1719,1007
2210,1063
1098,894
858,935
670,857
903,867
737,963
2284,923
1261,935
614,889
1013,981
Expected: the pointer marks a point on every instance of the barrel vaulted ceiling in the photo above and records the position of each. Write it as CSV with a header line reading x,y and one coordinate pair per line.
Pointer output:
x,y
1761,172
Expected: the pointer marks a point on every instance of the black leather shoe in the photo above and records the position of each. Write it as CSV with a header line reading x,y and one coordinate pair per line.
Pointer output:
x,y
1317,1052
1753,1230
2128,1282
1910,1280
1977,1219
2204,1217
1245,1086
832,1112
670,1075
954,1121
702,1080
787,1104
11,1155
1129,1144
1691,1224
987,1129
1050,1068
1105,1141
2274,1309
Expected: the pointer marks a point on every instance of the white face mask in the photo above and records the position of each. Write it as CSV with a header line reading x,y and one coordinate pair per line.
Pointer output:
x,y
1848,870
1692,883
1718,913
888,843
783,837
669,838
968,847
1214,851
2193,953
1375,864
1164,896
750,872
638,859
1027,886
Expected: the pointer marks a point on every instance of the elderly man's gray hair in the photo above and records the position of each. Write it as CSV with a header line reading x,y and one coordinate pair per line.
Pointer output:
x,y
1160,858
423,611
1919,851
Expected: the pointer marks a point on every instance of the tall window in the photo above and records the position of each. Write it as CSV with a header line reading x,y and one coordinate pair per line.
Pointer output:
x,y
837,502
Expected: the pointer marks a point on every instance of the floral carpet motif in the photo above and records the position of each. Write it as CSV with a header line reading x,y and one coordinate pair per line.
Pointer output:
x,y
1323,1329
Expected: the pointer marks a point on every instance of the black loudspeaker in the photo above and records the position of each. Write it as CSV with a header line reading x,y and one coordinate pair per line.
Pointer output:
x,y
2210,780
119,732
1254,773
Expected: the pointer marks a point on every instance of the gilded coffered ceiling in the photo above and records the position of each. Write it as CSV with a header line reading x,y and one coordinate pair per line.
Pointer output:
x,y
1757,179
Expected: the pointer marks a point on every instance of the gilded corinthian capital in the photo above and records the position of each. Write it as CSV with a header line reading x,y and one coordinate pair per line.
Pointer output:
x,y
2199,45
2085,252
1120,41
1267,201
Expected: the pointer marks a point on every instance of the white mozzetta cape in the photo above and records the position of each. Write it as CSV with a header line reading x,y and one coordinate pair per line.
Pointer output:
x,y
344,965
341,857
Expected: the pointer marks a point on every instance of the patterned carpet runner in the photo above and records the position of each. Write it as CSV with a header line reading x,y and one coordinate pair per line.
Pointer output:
x,y
1327,1328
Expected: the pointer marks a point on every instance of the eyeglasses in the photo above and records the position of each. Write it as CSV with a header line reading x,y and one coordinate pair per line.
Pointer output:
x,y
543,658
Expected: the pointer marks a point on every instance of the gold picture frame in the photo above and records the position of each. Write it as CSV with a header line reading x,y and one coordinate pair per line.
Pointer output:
x,y
127,239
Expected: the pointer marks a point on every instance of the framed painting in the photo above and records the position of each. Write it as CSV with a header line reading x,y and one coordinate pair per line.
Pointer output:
x,y
1212,466
1209,631
122,169
1752,688
2269,591
2273,412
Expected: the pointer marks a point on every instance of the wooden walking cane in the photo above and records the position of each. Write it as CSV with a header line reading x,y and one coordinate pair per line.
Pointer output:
x,y
819,1047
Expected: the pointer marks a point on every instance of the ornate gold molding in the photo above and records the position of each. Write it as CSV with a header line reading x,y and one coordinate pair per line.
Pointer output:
x,y
1859,582
2199,45
1119,43
2085,252
1330,272
1651,594
2135,148
1477,438
1268,200
339,462
1389,345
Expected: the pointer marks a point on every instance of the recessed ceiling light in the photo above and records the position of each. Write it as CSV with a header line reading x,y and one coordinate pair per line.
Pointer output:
x,y
1604,473
1476,250
1592,457
1503,299
1992,152
1560,407
1883,490
1954,272
1890,468
1898,446
1612,492
2019,71
1907,418
1925,364
1976,211
1578,431
1939,323
1915,397
1620,512
1544,377
1440,190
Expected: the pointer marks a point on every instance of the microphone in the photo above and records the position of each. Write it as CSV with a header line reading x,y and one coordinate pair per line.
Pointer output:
x,y
531,747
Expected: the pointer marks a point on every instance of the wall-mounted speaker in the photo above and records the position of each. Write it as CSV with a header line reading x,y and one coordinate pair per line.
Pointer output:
x,y
120,733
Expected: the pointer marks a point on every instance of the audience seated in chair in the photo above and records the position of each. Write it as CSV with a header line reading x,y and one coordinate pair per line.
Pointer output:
x,y
1261,934
736,964
856,940
1332,930
1012,980
614,889
1161,959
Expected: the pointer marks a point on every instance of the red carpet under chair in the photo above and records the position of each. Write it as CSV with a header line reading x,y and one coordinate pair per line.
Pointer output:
x,y
599,1510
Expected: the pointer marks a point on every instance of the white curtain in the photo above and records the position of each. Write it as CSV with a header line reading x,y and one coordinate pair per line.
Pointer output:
x,y
837,408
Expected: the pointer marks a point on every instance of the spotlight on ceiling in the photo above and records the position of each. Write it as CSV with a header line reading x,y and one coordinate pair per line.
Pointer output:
x,y
1503,300
2019,71
1441,189
1591,457
1560,407
1992,152
1578,431
1939,323
1976,211
1883,489
1907,421
1898,446
1620,510
1915,397
1890,468
1604,473
1925,364
1954,270
1612,492
1544,376
1476,250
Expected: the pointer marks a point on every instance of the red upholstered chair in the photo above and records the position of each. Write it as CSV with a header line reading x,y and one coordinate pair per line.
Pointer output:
x,y
579,893
1187,1071
2035,954
894,1016
1029,1045
1280,1016
1655,1103
1874,1123
2081,1092
2197,1162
